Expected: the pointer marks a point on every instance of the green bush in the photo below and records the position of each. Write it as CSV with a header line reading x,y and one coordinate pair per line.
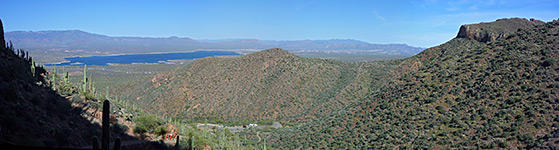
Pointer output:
x,y
140,130
501,144
88,95
548,62
161,130
266,122
441,109
147,123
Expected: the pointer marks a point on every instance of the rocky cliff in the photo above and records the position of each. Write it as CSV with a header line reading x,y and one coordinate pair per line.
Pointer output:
x,y
485,32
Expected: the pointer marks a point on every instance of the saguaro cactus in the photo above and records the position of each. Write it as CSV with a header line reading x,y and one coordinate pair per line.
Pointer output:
x,y
117,144
192,142
92,89
66,79
2,41
106,135
53,82
107,92
84,85
264,144
177,143
33,67
95,143
54,78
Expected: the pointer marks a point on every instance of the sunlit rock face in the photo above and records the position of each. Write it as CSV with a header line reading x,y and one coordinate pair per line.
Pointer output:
x,y
486,32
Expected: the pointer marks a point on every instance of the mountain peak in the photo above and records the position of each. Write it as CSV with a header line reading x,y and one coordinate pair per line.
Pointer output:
x,y
276,50
273,52
485,32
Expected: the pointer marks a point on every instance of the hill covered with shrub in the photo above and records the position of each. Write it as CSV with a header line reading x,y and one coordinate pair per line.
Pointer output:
x,y
466,93
268,85
493,86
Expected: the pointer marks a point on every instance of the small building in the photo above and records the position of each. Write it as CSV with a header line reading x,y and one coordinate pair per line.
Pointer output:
x,y
252,125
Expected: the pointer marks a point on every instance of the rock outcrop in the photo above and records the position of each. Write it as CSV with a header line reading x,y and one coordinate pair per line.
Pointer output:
x,y
486,32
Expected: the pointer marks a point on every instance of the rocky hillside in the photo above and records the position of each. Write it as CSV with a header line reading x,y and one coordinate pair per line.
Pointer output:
x,y
33,114
462,94
268,85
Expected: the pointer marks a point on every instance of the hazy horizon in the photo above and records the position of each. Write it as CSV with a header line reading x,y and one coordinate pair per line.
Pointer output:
x,y
416,23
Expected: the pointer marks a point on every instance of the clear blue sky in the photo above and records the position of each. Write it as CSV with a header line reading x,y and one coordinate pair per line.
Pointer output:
x,y
424,23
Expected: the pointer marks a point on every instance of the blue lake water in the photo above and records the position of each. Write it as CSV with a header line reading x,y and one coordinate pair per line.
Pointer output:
x,y
142,58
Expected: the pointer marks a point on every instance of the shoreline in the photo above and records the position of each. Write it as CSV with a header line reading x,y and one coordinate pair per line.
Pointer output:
x,y
242,52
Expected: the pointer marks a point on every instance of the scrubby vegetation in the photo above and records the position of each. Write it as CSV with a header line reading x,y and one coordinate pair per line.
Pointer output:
x,y
108,76
267,85
470,92
214,138
461,94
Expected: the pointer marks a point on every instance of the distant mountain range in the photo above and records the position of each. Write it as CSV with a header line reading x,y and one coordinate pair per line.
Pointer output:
x,y
56,43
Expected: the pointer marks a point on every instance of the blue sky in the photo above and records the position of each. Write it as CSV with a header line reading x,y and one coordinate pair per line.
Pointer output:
x,y
423,23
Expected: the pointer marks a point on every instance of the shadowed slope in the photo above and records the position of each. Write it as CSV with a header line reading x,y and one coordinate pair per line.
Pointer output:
x,y
33,116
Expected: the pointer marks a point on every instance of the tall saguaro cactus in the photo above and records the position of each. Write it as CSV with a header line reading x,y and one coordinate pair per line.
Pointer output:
x,y
33,67
66,79
92,87
107,92
84,85
95,143
177,145
117,144
192,142
54,78
53,84
2,41
106,135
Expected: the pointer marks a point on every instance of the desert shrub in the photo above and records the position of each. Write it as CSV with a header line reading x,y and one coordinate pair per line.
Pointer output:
x,y
88,95
146,123
266,122
501,144
441,109
548,62
119,128
161,130
539,124
139,130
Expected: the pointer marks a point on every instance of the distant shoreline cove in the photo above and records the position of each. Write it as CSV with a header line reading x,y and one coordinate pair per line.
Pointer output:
x,y
152,58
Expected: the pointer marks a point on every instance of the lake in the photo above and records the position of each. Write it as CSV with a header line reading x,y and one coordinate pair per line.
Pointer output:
x,y
142,58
